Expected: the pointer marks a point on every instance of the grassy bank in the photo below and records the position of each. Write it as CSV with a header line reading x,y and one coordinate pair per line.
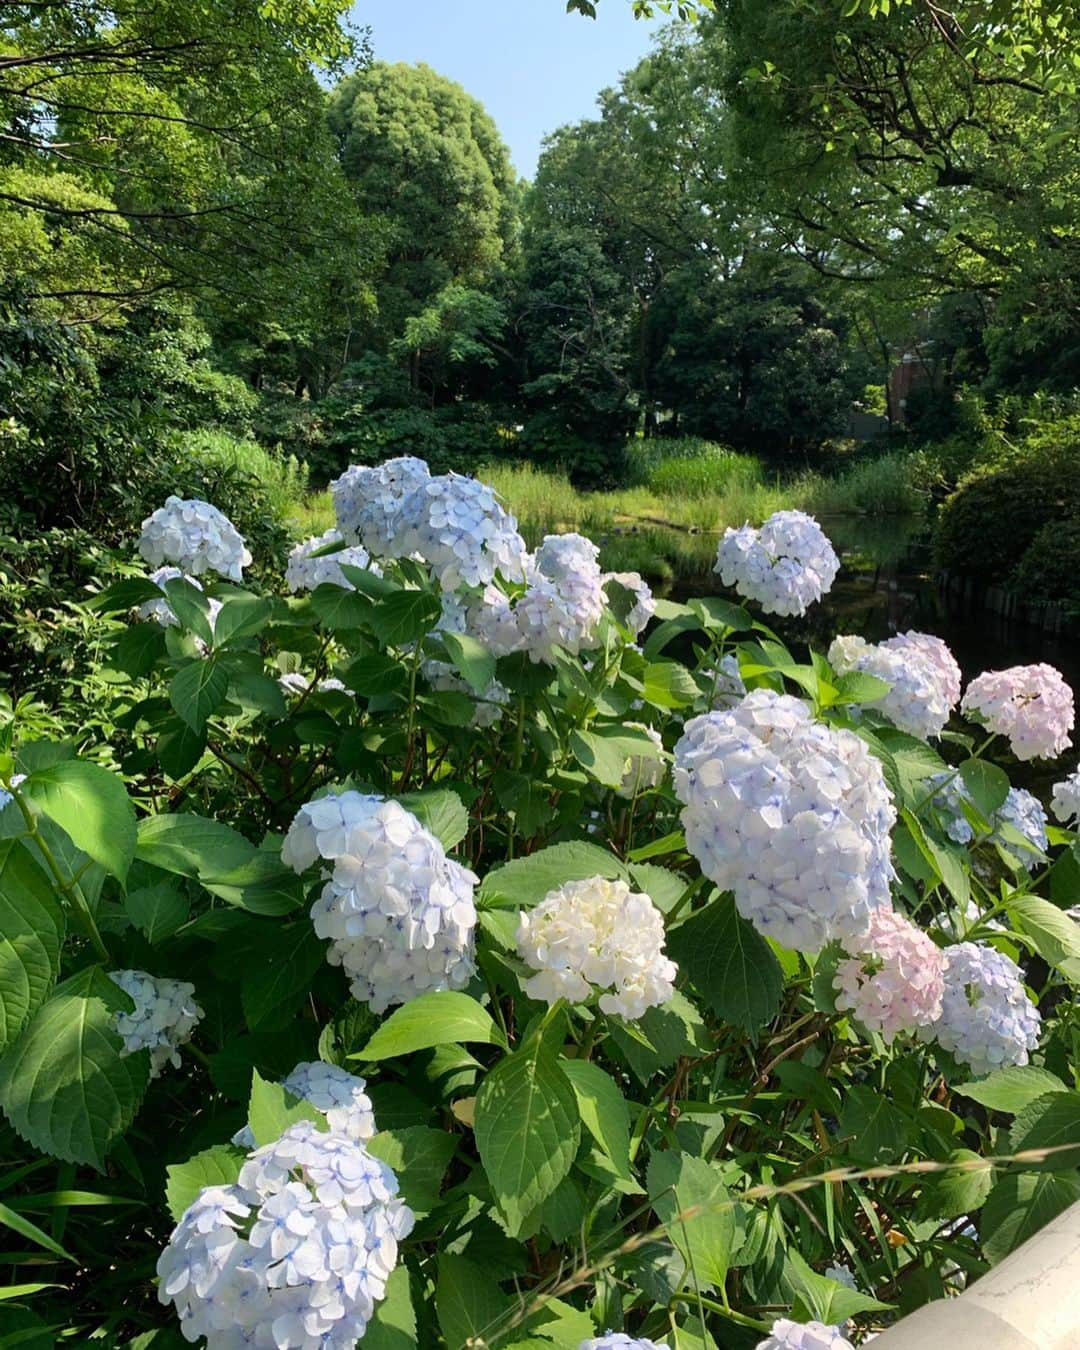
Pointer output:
x,y
667,525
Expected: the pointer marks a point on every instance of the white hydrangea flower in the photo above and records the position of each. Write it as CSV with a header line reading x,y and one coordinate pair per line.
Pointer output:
x,y
788,1335
462,532
643,771
296,683
295,1255
340,1096
305,572
924,678
368,502
14,781
490,705
1065,802
987,1020
490,618
644,606
597,936
398,913
196,537
164,1017
785,566
564,601
791,816
618,1340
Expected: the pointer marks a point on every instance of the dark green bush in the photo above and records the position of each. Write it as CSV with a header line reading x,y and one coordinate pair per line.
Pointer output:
x,y
1050,568
985,527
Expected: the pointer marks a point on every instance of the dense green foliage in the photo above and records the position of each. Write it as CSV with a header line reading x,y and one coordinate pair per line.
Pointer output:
x,y
553,1155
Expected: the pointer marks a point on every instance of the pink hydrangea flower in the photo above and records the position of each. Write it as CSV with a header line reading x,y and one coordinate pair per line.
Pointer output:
x,y
1031,705
894,978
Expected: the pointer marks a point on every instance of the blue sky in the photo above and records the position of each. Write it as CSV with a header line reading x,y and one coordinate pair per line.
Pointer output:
x,y
532,65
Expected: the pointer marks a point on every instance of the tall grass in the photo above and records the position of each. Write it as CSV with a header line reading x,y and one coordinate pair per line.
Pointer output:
x,y
689,464
283,480
891,485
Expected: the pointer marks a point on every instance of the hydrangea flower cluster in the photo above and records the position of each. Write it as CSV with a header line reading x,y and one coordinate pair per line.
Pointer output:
x,y
619,1340
1020,809
788,1335
792,816
785,566
195,536
164,1017
1031,705
597,936
564,601
922,673
340,1096
643,771
1065,802
894,977
461,531
644,606
368,502
987,1019
398,913
304,572
295,1255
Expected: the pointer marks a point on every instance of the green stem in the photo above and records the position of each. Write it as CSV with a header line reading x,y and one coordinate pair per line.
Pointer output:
x,y
740,1319
69,886
585,1049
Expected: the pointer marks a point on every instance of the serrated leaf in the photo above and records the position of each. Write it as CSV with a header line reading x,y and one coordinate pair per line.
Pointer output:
x,y
667,684
271,1110
217,1166
64,1085
197,691
393,1326
1019,1205
240,616
527,1129
1049,1122
92,807
157,911
603,1110
405,617
945,862
825,1298
877,1132
1011,1089
375,675
31,936
526,881
1055,936
442,1018
948,1195
441,811
473,661
138,649
605,753
694,1206
419,1157
987,785
731,965
277,974
468,1302
337,608
179,748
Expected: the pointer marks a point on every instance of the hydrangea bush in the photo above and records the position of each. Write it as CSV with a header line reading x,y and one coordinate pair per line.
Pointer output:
x,y
456,946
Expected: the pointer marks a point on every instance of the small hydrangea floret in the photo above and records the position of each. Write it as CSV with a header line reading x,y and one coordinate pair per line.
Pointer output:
x,y
305,571
1065,800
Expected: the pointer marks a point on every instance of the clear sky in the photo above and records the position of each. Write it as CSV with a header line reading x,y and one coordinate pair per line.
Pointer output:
x,y
532,65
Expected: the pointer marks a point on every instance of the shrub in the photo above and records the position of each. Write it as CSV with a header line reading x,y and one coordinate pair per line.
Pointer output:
x,y
985,527
583,1144
1050,567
